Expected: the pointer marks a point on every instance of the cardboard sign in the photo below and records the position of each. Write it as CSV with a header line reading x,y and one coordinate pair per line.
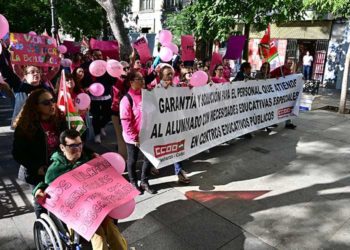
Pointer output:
x,y
235,47
72,47
187,47
83,197
108,48
141,47
34,50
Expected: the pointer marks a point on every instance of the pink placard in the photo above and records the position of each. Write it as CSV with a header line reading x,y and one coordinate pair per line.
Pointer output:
x,y
141,46
34,50
215,59
187,47
83,197
72,47
108,48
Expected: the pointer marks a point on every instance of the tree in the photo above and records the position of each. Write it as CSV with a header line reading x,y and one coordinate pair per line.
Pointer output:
x,y
117,25
209,20
339,8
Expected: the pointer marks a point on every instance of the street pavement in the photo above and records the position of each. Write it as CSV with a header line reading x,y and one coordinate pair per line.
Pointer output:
x,y
288,189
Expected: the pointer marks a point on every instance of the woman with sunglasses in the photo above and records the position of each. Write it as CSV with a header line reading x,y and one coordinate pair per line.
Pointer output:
x,y
130,116
37,128
219,74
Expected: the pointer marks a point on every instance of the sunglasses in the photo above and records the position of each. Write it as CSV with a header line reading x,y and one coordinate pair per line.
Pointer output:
x,y
74,146
48,102
126,68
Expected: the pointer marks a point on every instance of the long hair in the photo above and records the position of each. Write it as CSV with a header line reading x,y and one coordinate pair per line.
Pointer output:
x,y
29,117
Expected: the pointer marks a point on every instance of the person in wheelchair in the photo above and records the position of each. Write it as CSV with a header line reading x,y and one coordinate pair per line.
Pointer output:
x,y
71,156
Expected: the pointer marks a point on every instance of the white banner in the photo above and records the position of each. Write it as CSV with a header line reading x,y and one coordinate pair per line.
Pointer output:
x,y
178,123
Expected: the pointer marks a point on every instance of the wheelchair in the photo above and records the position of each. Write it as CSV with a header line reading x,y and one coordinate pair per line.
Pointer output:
x,y
50,233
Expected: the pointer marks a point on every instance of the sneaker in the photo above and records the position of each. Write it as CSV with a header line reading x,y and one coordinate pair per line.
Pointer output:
x,y
103,132
98,139
146,187
154,171
182,178
135,185
290,126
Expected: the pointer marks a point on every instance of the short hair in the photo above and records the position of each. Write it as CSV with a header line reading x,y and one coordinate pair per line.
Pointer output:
x,y
68,133
244,66
131,76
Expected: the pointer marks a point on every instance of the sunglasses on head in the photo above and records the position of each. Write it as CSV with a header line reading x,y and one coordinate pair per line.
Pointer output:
x,y
48,102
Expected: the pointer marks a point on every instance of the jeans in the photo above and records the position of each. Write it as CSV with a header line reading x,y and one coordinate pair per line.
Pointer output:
x,y
101,114
133,153
306,71
178,167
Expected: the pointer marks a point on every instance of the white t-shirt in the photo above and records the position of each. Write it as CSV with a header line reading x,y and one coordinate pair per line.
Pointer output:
x,y
307,60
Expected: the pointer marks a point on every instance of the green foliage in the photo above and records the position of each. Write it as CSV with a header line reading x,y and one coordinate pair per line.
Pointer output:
x,y
76,17
216,19
26,15
339,8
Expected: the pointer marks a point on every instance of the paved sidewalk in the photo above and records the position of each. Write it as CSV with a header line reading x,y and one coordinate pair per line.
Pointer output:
x,y
285,190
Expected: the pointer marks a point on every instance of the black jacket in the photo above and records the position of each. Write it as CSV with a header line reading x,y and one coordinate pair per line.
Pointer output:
x,y
32,153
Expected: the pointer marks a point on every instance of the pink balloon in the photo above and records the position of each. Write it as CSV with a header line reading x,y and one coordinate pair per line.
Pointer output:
x,y
82,101
124,210
96,89
165,54
116,160
4,26
66,62
114,68
165,37
98,68
173,47
199,78
32,33
62,49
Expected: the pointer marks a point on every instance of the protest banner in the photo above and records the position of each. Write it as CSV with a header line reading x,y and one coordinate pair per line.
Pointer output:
x,y
108,48
235,47
187,48
141,47
178,123
83,197
34,50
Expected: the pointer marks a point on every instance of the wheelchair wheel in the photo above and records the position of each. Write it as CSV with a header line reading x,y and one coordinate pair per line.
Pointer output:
x,y
43,237
53,228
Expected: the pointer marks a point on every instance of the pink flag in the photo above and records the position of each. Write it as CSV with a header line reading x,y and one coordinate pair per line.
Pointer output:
x,y
83,197
187,47
108,48
141,46
215,59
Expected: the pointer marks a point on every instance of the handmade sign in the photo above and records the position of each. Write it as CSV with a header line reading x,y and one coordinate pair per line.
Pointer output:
x,y
235,47
142,49
178,123
34,50
187,47
83,197
109,48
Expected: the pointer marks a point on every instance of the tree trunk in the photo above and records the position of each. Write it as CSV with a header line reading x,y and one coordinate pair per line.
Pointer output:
x,y
344,86
246,44
116,22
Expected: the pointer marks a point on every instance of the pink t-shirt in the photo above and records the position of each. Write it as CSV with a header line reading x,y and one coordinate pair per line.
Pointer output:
x,y
216,79
51,136
131,117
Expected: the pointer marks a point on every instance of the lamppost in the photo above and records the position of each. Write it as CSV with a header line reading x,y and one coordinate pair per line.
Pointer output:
x,y
53,26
